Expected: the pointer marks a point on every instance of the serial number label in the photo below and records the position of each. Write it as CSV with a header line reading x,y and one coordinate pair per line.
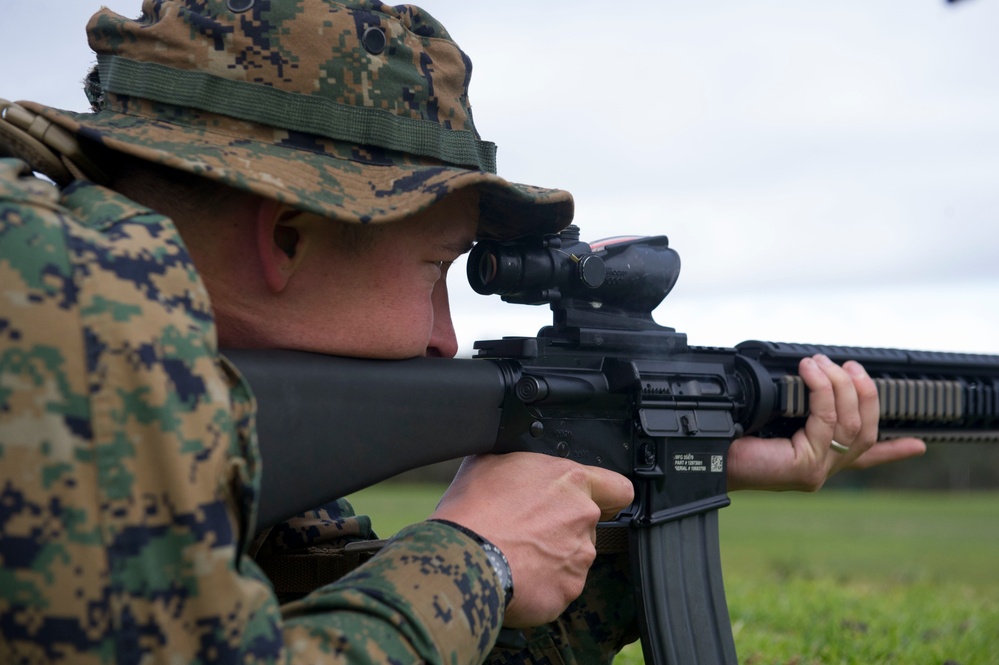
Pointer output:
x,y
703,463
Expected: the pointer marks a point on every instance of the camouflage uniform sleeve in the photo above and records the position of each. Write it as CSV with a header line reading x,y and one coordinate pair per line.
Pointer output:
x,y
128,470
458,611
120,479
457,618
592,630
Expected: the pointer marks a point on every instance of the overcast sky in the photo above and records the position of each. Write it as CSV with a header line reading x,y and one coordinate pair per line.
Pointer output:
x,y
828,172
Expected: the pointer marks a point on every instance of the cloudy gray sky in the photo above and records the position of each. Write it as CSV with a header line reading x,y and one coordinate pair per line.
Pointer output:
x,y
829,172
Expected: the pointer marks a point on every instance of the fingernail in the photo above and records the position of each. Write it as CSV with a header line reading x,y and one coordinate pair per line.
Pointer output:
x,y
823,359
854,368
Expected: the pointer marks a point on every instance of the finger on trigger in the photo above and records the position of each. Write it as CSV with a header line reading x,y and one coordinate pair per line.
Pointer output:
x,y
611,491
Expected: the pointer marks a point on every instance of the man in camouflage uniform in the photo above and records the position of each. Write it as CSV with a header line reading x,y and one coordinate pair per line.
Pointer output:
x,y
314,168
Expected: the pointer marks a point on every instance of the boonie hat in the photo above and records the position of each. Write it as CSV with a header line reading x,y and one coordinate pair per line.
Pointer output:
x,y
356,111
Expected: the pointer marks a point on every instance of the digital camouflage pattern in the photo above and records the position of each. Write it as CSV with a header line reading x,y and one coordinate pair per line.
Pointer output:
x,y
128,471
357,111
128,467
591,631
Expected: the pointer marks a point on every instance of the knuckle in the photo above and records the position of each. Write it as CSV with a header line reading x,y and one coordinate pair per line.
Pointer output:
x,y
576,581
574,591
576,474
814,480
851,425
827,417
589,555
591,513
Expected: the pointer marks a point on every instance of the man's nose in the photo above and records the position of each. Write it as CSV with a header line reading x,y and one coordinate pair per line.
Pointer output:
x,y
443,340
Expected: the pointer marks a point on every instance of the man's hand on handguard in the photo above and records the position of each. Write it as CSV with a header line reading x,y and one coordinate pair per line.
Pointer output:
x,y
542,512
843,411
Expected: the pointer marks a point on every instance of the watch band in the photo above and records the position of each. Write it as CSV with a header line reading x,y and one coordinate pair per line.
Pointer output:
x,y
496,559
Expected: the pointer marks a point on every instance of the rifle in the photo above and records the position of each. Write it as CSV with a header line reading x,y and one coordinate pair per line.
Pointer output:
x,y
603,385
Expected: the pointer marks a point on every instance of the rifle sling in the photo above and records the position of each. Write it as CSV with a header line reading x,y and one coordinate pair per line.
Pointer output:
x,y
298,573
46,147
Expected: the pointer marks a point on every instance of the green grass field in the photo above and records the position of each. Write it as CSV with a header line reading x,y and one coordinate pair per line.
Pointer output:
x,y
835,577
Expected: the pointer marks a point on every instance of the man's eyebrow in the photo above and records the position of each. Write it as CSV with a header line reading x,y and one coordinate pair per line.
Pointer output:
x,y
458,246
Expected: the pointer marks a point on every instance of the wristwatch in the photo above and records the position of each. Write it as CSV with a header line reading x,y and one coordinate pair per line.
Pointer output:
x,y
496,559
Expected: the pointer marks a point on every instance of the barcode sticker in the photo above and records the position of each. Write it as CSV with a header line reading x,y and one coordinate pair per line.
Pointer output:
x,y
698,462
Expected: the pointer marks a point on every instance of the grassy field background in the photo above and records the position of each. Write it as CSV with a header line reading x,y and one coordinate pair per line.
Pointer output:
x,y
836,577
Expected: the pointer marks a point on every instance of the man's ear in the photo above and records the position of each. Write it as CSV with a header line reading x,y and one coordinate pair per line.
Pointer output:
x,y
280,243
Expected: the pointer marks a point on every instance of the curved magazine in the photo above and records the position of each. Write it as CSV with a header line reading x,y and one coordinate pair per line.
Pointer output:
x,y
683,616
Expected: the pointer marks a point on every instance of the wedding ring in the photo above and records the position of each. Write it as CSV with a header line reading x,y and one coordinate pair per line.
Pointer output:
x,y
839,447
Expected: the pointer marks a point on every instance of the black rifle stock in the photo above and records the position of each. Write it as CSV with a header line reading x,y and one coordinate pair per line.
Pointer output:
x,y
606,386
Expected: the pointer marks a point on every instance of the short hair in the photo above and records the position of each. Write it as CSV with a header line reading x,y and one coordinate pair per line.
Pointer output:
x,y
189,199
177,194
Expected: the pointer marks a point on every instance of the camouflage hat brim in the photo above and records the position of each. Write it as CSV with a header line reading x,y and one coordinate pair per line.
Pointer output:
x,y
350,183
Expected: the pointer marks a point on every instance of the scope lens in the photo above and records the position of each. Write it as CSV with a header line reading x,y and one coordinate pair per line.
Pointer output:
x,y
487,268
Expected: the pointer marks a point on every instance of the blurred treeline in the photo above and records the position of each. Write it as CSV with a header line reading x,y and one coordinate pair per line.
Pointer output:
x,y
955,467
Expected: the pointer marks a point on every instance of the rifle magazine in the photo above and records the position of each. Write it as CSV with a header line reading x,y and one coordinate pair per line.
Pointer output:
x,y
683,615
